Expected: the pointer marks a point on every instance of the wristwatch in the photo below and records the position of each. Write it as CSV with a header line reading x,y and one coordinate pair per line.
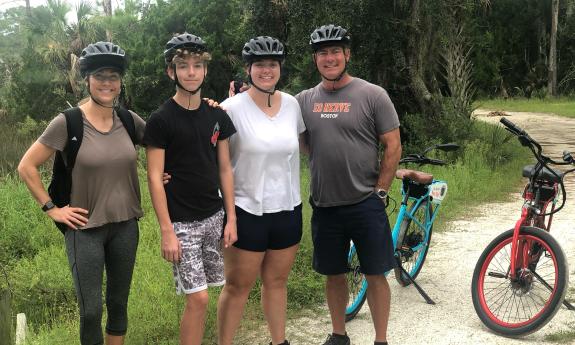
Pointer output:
x,y
48,206
382,194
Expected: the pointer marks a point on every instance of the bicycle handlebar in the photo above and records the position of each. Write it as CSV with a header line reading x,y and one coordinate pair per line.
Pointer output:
x,y
535,147
421,159
513,128
543,160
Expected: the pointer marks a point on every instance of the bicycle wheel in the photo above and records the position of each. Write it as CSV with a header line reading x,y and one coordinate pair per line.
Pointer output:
x,y
523,305
357,286
412,244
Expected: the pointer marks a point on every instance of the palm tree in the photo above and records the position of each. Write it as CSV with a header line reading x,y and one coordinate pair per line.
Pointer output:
x,y
60,43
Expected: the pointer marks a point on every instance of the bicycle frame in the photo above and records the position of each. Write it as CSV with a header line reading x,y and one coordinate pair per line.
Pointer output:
x,y
530,217
414,223
404,212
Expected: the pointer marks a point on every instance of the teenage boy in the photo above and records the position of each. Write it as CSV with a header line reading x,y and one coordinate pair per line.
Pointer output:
x,y
189,140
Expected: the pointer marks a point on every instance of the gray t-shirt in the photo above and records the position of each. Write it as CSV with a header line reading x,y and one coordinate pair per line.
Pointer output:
x,y
105,177
343,128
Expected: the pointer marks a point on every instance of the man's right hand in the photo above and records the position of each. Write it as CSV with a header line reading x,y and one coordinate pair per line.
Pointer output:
x,y
166,178
171,246
231,91
74,217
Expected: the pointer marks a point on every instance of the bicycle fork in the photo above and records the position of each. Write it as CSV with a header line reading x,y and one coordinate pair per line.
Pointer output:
x,y
520,256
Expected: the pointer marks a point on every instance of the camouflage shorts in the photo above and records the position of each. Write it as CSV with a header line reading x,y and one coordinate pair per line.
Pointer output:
x,y
201,264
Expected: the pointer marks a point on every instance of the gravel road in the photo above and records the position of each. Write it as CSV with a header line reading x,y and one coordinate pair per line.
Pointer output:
x,y
447,273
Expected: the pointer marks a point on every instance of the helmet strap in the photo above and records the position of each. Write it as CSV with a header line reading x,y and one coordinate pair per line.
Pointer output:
x,y
190,92
114,104
335,80
270,93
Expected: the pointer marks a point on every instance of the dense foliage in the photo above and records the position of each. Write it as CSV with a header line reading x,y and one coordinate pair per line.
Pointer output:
x,y
433,57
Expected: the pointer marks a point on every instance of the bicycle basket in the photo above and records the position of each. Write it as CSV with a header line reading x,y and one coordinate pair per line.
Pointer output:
x,y
415,189
547,191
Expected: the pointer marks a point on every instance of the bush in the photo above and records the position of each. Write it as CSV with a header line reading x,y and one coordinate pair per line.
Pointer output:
x,y
419,131
25,229
16,138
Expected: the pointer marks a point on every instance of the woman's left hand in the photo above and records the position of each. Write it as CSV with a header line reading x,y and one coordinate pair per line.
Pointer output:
x,y
230,234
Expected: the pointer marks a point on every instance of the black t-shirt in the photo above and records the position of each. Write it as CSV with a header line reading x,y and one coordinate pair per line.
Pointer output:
x,y
189,138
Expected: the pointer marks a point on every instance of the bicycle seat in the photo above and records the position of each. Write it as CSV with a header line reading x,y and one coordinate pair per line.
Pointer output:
x,y
413,175
544,174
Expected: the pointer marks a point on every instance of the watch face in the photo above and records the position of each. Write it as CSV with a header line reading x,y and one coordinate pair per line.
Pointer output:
x,y
381,193
48,206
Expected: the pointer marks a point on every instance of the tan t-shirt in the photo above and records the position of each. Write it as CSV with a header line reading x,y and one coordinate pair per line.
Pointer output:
x,y
105,177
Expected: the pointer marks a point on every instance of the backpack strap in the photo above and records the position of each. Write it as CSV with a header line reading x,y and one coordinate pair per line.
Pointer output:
x,y
75,127
128,122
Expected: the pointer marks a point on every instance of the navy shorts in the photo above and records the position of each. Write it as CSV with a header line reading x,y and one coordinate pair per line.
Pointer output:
x,y
364,223
274,231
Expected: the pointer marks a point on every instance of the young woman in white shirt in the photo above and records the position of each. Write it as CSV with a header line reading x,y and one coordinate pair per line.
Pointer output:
x,y
265,160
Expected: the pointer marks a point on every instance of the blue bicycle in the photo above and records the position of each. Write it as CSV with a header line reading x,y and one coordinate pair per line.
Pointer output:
x,y
421,197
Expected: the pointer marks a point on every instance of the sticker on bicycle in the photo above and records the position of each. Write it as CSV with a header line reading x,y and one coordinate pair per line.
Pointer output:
x,y
438,190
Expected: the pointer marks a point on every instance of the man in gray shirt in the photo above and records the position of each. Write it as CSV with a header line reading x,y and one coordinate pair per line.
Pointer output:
x,y
347,119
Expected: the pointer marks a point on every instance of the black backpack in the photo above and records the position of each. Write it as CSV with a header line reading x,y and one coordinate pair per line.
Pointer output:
x,y
60,187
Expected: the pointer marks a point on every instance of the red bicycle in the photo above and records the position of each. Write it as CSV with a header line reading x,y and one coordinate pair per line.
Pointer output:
x,y
521,278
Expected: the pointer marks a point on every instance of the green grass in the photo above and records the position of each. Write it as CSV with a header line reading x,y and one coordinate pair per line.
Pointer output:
x,y
45,291
487,169
563,337
558,106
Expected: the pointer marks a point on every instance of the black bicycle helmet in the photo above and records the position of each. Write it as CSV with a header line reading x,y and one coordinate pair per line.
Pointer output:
x,y
185,41
263,47
328,34
97,56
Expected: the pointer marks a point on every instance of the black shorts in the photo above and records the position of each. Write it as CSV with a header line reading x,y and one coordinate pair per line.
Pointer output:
x,y
275,231
366,224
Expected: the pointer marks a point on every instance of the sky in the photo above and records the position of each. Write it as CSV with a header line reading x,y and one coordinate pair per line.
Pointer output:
x,y
5,4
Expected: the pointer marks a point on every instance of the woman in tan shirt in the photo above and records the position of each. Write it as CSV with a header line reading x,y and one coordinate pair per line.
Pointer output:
x,y
101,219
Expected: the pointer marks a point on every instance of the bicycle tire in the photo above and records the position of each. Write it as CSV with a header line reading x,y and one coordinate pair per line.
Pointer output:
x,y
412,244
357,286
512,315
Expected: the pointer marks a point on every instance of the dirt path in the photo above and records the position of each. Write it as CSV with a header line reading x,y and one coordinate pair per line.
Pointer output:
x,y
447,273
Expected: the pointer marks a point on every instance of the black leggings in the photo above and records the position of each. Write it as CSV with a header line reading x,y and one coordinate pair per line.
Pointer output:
x,y
112,246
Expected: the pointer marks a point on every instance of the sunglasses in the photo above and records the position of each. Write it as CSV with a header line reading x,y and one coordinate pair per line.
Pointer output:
x,y
101,77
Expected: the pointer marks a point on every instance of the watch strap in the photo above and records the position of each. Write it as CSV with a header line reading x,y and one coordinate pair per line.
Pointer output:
x,y
48,206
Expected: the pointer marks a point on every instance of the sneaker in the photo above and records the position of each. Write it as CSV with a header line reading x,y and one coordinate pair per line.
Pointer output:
x,y
284,343
337,340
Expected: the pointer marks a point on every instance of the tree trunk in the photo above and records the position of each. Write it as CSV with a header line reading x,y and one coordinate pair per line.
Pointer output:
x,y
108,13
415,59
28,10
552,79
107,7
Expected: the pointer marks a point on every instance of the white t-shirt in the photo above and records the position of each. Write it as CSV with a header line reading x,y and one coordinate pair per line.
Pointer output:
x,y
265,154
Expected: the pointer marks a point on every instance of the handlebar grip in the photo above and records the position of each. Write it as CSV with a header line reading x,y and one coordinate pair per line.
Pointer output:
x,y
237,86
407,160
568,157
512,127
436,162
